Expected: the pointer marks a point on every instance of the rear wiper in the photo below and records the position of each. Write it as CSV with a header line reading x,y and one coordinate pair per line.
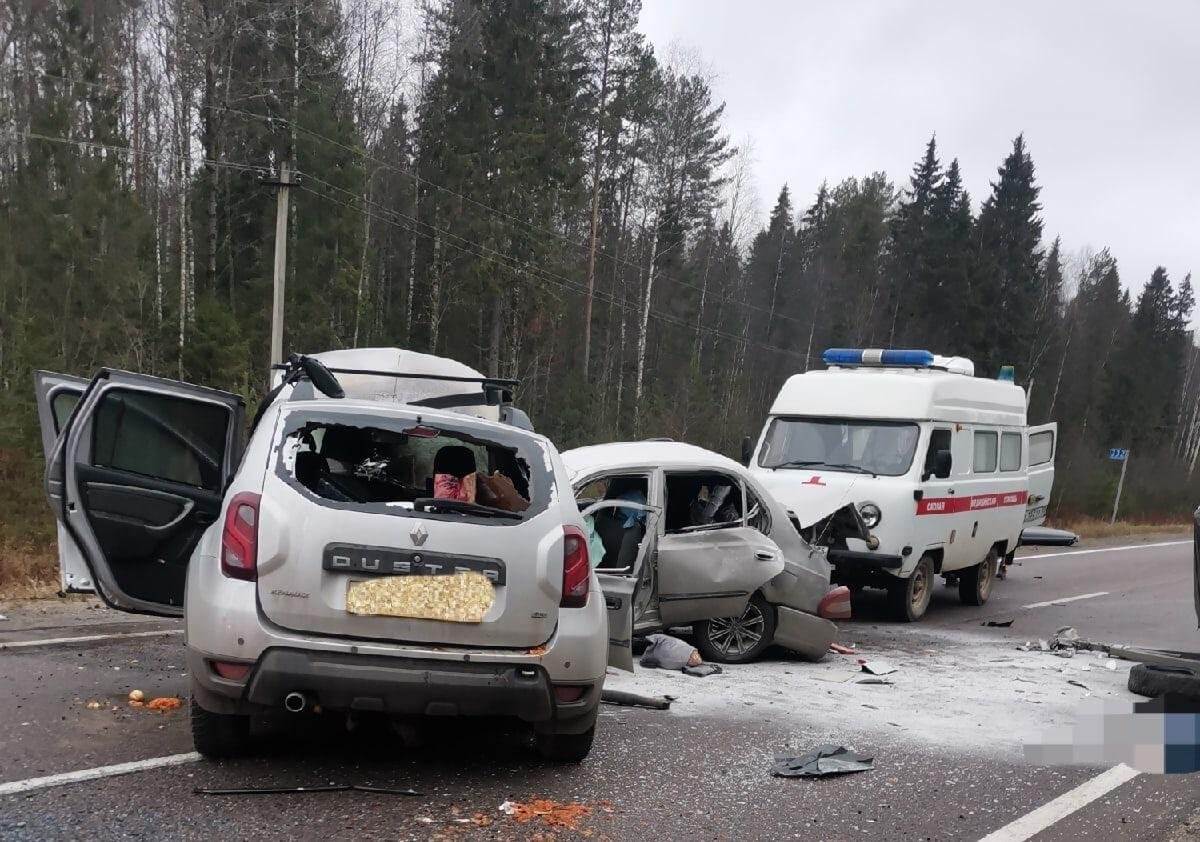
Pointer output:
x,y
427,504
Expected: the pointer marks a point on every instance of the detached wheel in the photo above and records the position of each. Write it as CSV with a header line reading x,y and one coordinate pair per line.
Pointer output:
x,y
565,748
1154,681
909,598
975,584
219,735
737,640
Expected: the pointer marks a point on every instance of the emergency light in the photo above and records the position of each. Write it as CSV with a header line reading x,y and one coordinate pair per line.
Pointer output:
x,y
878,356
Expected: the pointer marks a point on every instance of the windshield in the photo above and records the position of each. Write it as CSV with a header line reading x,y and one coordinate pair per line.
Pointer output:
x,y
869,447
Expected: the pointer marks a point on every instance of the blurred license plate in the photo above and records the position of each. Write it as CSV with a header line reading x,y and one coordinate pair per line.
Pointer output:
x,y
464,597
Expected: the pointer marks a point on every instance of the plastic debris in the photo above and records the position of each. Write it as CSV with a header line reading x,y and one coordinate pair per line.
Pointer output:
x,y
998,624
823,761
877,667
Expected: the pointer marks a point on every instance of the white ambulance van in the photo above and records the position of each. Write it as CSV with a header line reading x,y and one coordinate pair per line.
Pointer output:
x,y
907,466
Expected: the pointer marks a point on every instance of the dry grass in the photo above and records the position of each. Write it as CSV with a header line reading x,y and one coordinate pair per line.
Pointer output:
x,y
27,571
1091,527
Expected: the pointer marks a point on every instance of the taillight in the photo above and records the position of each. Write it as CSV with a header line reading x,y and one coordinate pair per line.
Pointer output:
x,y
835,605
576,572
239,540
230,670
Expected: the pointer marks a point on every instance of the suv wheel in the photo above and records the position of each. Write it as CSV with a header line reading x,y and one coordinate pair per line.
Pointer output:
x,y
219,735
975,585
565,748
909,598
737,640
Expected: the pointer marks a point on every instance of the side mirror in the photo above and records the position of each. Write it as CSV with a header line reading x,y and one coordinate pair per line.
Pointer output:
x,y
747,450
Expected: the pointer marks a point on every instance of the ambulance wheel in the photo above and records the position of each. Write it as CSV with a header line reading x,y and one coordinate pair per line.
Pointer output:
x,y
975,585
909,598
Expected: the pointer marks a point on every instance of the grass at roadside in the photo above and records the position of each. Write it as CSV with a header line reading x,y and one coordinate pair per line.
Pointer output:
x,y
1091,527
27,571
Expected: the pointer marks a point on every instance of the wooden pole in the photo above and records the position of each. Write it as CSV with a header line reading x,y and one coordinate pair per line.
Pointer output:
x,y
281,238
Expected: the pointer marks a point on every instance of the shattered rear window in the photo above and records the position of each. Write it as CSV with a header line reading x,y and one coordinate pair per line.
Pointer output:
x,y
405,467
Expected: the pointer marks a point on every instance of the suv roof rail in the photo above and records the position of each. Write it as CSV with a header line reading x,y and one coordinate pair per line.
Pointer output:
x,y
659,438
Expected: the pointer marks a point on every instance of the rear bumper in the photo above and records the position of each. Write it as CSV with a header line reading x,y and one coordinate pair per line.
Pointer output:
x,y
394,686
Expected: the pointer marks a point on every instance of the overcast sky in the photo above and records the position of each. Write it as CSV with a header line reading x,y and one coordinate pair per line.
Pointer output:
x,y
1107,94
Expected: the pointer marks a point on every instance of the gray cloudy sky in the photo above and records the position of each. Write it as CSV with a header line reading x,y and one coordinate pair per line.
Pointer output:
x,y
1107,94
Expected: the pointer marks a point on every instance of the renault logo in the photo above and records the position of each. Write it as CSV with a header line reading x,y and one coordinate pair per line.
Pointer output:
x,y
418,534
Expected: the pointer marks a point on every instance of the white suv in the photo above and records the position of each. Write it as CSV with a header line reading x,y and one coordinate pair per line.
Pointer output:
x,y
308,563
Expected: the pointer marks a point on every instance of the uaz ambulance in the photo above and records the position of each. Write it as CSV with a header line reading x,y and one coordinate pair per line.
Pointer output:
x,y
907,466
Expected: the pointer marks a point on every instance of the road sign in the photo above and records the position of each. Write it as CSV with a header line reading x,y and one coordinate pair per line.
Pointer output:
x,y
1118,454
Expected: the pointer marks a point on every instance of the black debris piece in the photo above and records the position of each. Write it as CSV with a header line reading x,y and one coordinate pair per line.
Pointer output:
x,y
702,670
823,761
998,624
633,700
296,790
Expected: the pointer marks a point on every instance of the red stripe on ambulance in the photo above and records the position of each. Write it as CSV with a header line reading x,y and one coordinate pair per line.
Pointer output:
x,y
970,503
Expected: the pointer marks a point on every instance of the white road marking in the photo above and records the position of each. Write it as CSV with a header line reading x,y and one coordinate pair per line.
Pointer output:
x,y
1104,550
29,784
1064,599
1035,821
54,641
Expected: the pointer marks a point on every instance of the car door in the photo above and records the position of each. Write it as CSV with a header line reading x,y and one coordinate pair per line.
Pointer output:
x,y
628,591
711,570
1041,442
135,478
57,397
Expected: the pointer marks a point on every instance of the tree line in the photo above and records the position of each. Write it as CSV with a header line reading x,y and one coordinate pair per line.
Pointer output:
x,y
528,187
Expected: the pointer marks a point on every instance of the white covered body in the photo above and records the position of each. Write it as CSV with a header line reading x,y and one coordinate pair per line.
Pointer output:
x,y
867,435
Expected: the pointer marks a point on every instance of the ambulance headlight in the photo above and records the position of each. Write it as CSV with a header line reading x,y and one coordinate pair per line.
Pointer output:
x,y
870,514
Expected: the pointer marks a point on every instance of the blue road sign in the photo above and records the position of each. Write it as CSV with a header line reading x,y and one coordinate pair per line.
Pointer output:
x,y
1118,454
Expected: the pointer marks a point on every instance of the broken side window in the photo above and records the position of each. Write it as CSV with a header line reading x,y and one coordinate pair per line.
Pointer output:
x,y
702,501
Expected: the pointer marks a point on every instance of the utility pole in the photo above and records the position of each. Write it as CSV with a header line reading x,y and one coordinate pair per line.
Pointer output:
x,y
1122,455
281,238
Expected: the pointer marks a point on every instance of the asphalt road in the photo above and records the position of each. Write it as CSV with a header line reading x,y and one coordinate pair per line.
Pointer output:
x,y
652,775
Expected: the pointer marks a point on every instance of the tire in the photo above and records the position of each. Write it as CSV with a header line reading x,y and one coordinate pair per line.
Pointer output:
x,y
565,748
975,584
737,640
1155,681
909,598
218,736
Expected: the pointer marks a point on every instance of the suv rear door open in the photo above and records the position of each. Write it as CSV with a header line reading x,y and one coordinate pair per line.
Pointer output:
x,y
136,476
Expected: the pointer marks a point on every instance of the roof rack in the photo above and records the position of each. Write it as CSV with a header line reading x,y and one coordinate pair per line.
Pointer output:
x,y
405,375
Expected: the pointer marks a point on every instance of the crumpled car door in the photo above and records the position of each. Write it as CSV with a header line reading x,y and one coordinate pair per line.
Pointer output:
x,y
706,573
627,590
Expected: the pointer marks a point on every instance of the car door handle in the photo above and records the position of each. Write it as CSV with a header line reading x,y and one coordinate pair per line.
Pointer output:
x,y
764,555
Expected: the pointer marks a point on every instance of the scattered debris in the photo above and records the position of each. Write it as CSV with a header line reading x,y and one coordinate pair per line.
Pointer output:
x,y
876,667
1043,646
164,703
1067,652
295,790
703,670
871,679
839,649
137,696
1065,637
3,618
998,624
93,705
554,814
634,700
1077,683
825,760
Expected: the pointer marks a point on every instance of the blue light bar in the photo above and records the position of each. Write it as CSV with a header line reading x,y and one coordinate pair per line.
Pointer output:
x,y
878,356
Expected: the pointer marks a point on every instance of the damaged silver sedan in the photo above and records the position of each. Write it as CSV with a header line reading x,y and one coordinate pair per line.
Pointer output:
x,y
680,535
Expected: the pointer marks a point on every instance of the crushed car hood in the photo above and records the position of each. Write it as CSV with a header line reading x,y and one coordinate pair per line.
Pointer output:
x,y
807,500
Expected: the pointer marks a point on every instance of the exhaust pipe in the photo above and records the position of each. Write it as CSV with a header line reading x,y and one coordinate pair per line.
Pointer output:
x,y
295,702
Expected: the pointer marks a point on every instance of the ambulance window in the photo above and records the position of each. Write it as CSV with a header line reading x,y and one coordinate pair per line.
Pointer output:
x,y
985,452
1010,452
1041,448
938,440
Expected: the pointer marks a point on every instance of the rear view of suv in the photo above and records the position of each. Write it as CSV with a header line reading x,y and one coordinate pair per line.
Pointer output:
x,y
380,553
